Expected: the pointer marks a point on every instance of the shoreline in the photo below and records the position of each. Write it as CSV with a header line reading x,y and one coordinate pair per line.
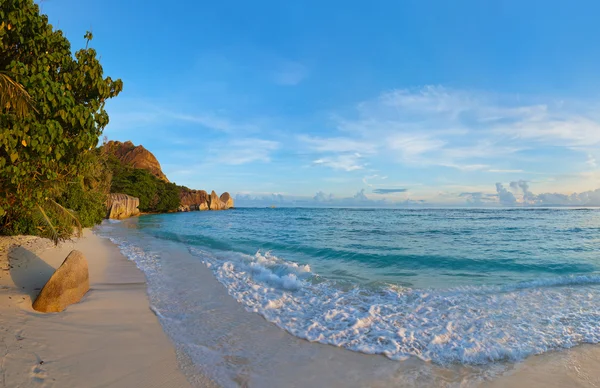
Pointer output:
x,y
111,338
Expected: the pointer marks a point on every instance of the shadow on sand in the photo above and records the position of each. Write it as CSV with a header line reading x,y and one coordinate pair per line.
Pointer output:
x,y
28,271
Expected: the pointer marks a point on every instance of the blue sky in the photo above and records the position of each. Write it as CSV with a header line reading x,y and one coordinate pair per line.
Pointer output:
x,y
387,102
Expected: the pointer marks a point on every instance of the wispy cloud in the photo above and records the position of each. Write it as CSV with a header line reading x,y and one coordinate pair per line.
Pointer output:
x,y
243,151
468,131
591,161
215,122
136,113
346,162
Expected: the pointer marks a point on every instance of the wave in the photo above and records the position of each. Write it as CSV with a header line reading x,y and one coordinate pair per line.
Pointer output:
x,y
472,325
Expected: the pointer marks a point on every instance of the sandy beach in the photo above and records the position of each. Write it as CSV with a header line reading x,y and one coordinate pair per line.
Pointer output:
x,y
110,339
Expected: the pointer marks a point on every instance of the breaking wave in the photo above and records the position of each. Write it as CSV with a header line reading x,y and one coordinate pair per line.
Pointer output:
x,y
470,324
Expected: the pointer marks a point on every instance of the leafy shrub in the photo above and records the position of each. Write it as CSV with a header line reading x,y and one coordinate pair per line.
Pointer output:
x,y
89,205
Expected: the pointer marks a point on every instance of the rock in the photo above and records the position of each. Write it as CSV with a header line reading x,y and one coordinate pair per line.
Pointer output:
x,y
121,206
136,157
214,202
194,199
68,285
227,200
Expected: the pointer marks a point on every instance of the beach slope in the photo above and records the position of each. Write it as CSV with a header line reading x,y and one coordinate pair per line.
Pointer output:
x,y
110,339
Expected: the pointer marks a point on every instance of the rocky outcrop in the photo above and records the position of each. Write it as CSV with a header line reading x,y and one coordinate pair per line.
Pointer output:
x,y
193,199
226,200
136,157
68,285
214,202
121,206
200,200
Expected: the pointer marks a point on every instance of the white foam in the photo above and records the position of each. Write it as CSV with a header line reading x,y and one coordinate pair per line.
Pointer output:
x,y
473,325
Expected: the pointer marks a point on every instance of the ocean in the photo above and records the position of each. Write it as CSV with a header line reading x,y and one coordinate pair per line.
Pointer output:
x,y
451,288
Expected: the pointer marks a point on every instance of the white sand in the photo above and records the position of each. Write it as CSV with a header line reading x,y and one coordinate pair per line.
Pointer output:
x,y
110,339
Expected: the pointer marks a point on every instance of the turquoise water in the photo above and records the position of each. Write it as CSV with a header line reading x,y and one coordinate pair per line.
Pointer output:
x,y
470,286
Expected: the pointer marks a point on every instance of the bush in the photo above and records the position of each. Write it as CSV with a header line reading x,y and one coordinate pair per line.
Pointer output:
x,y
90,205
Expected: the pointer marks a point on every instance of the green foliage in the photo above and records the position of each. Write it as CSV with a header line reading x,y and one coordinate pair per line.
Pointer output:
x,y
44,150
87,195
89,204
56,222
155,195
50,220
14,96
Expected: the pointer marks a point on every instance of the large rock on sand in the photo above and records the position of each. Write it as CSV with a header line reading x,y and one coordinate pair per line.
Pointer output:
x,y
121,206
68,285
227,200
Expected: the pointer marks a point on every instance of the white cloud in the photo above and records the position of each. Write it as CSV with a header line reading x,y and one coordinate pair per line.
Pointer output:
x,y
243,151
465,130
413,146
520,195
346,162
591,161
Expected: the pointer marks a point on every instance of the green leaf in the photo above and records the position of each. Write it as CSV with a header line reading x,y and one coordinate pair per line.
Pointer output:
x,y
14,157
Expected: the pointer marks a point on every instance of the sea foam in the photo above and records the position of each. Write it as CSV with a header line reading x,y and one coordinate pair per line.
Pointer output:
x,y
472,325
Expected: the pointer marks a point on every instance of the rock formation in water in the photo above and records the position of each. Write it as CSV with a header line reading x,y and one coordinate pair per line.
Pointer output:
x,y
193,199
68,285
200,200
121,206
136,157
214,202
226,200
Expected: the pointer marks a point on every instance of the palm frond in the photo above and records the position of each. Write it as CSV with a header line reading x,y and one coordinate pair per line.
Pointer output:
x,y
56,222
13,95
49,231
68,215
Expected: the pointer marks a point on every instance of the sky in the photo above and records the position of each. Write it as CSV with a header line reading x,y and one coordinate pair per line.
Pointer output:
x,y
386,103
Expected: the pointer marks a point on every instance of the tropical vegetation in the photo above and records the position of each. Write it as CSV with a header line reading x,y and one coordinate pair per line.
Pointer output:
x,y
51,117
54,179
155,195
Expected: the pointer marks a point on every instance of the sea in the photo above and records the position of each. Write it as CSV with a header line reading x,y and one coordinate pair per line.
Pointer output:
x,y
284,296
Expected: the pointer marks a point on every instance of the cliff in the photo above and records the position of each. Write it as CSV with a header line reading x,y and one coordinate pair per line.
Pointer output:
x,y
136,157
121,206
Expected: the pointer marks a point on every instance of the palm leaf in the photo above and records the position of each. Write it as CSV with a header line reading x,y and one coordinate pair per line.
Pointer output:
x,y
68,215
13,95
62,216
49,231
